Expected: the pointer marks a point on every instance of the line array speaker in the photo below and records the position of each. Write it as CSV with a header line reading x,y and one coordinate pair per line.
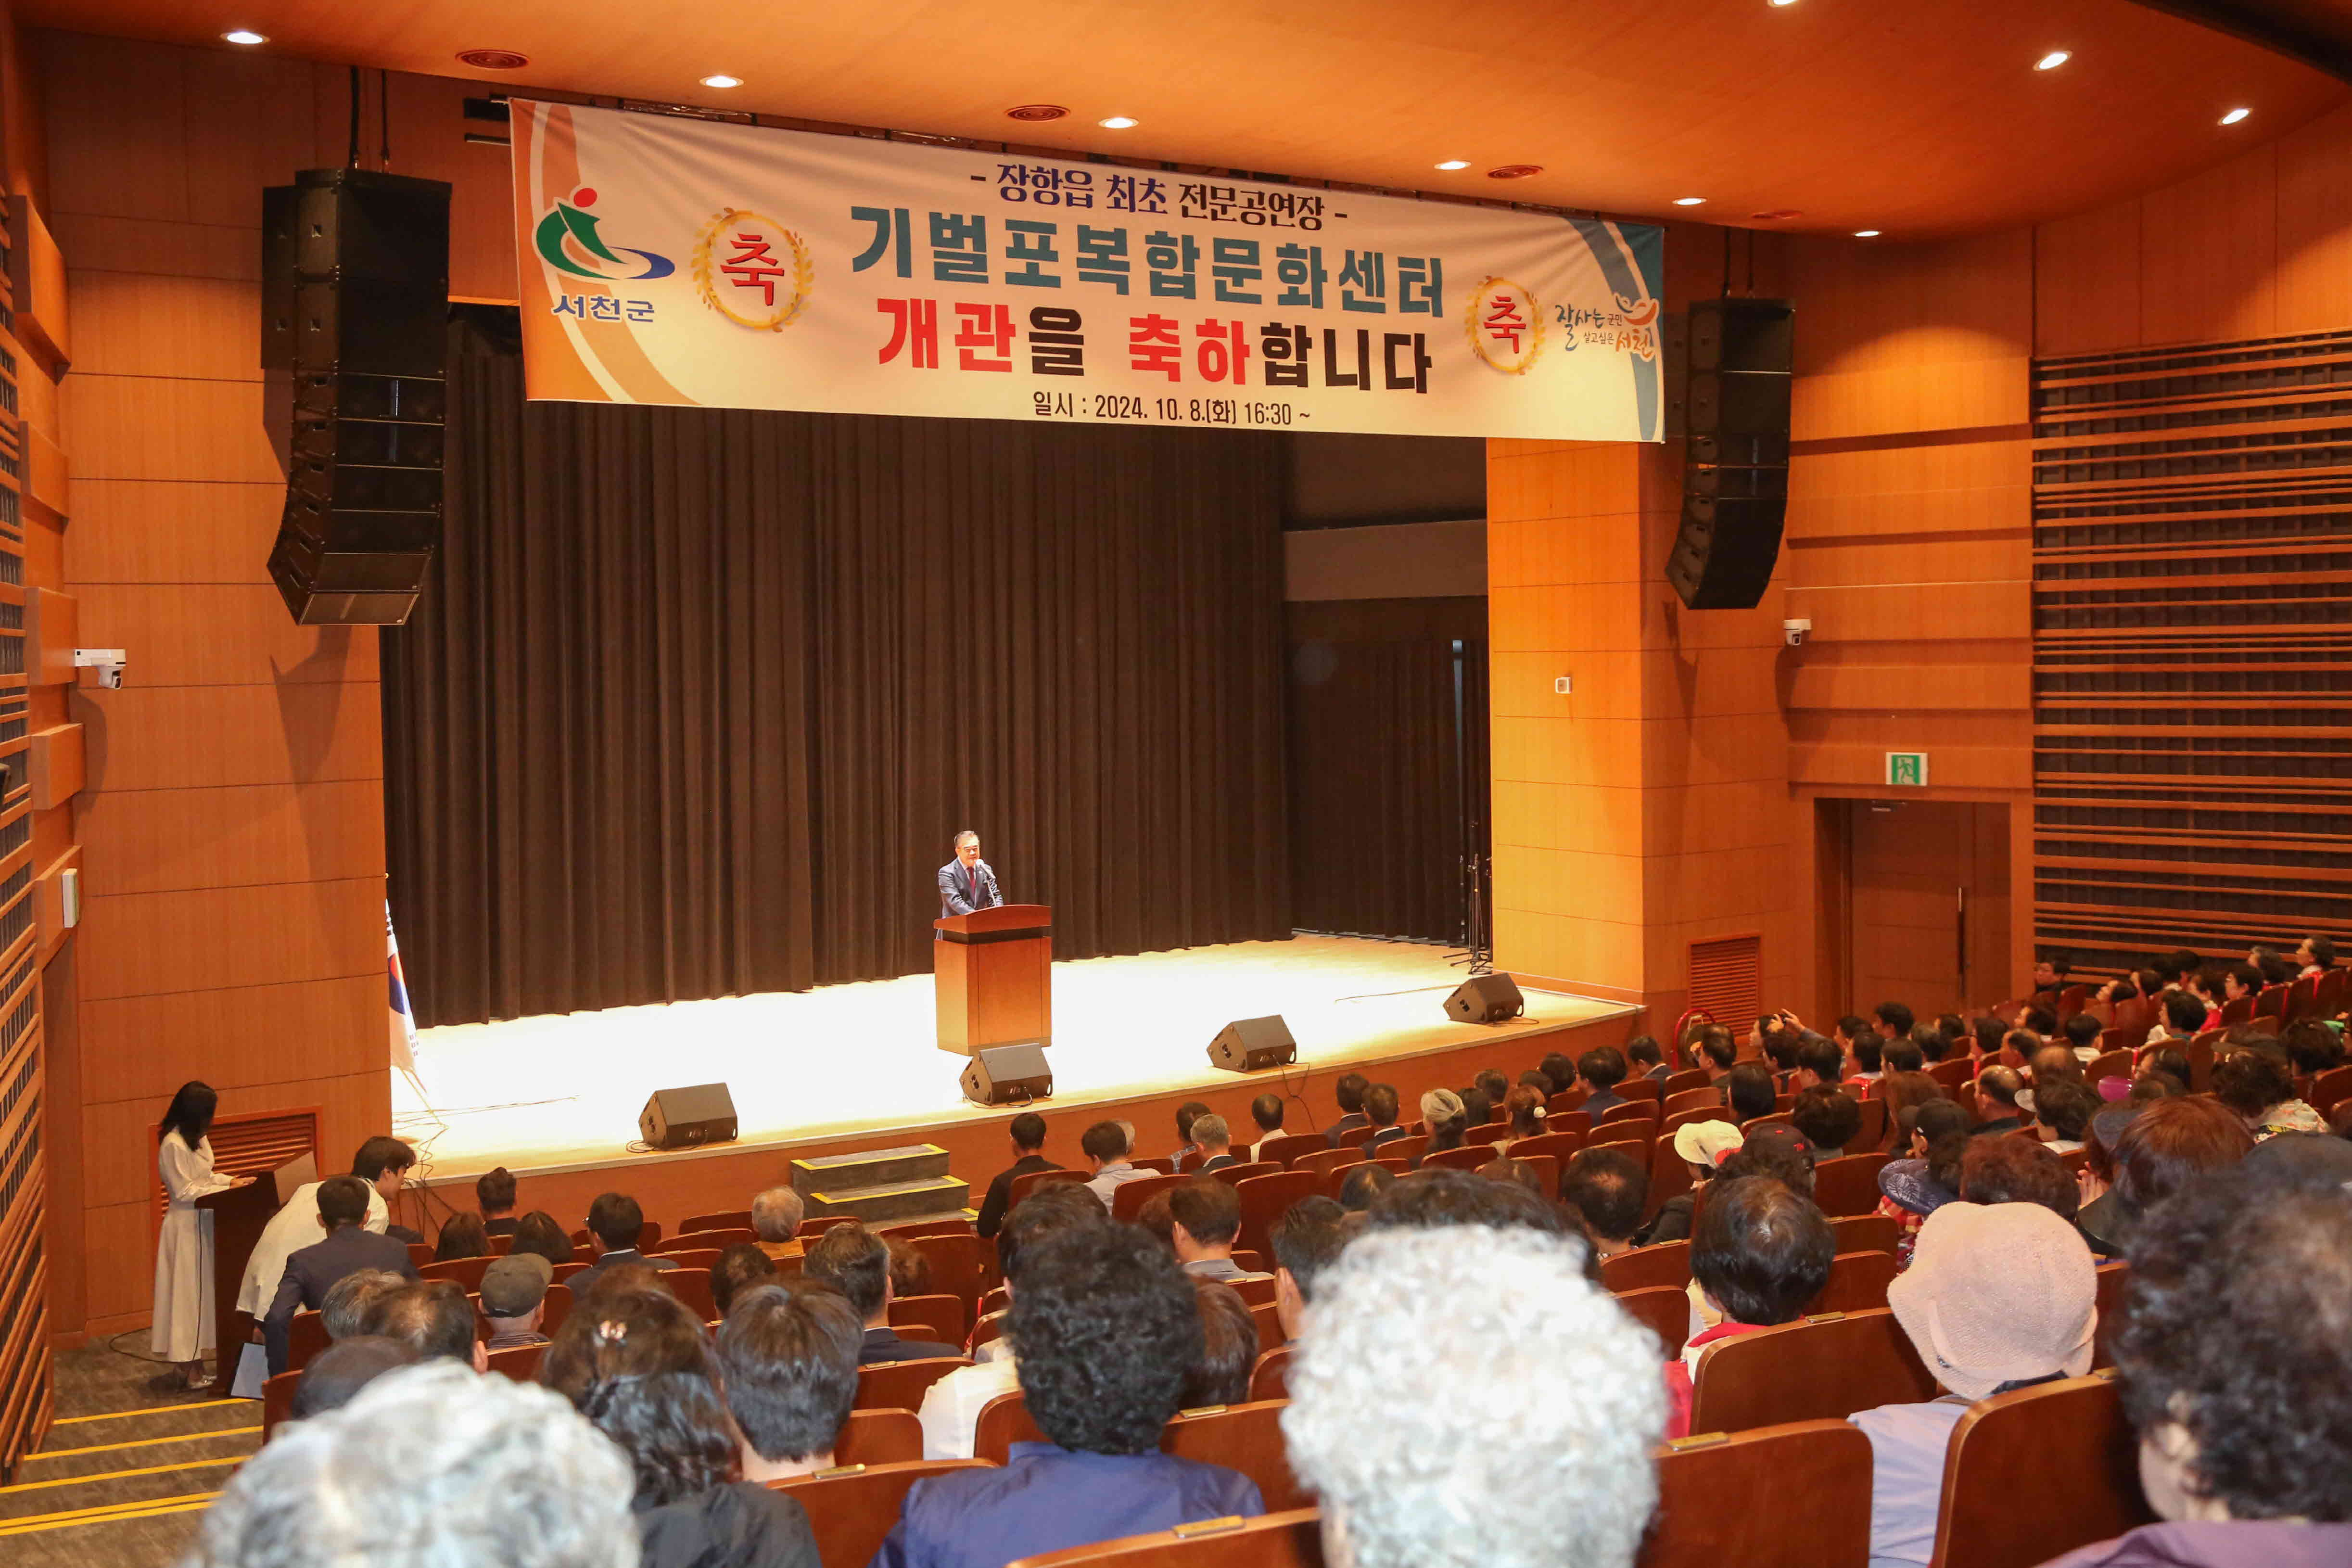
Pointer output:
x,y
355,296
1485,999
1736,452
1251,1045
685,1118
1008,1075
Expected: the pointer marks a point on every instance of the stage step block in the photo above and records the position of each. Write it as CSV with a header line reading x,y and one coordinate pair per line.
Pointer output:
x,y
924,1197
868,1168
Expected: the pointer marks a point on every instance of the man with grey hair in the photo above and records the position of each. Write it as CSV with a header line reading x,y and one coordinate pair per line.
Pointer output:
x,y
967,883
348,1299
428,1465
1552,1405
1216,1142
776,1221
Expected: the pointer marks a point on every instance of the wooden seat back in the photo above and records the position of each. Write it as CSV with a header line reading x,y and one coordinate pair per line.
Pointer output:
x,y
1234,1175
989,1327
420,1253
1730,1497
938,1317
901,1385
518,1362
1816,1369
1873,1130
690,1283
1857,1283
1003,1422
1329,1161
1269,1327
2330,1090
1492,1133
1028,1181
467,1271
1270,1378
1705,1098
1670,1177
1866,1233
2036,1473
1566,1101
1632,1111
1265,1199
1561,1145
1467,1157
1646,1268
2112,1276
852,1507
1128,1198
1291,1540
306,1336
879,1437
961,1266
1678,1082
725,1219
1952,1072
1664,1310
1642,1088
707,1241
278,1402
2108,1064
1848,1186
1244,1437
1285,1147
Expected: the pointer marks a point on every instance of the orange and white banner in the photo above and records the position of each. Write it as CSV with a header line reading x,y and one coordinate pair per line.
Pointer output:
x,y
667,260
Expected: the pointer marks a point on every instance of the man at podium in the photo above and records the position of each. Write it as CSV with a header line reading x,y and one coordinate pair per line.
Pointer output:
x,y
966,882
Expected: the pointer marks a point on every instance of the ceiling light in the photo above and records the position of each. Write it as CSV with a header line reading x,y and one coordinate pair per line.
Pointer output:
x,y
1779,3
1690,200
494,59
1865,234
722,79
2235,115
1117,122
244,35
2053,60
1455,163
1036,113
1514,170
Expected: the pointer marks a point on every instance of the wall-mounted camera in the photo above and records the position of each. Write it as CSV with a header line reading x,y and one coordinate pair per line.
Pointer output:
x,y
110,663
1793,632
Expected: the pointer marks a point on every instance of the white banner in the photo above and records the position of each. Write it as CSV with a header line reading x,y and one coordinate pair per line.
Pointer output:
x,y
667,260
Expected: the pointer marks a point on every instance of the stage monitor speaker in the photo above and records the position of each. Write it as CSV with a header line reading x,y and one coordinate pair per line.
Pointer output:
x,y
355,293
1485,999
1738,358
686,1118
1008,1075
1253,1044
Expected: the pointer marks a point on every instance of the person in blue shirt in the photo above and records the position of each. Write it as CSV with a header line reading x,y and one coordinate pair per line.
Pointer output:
x,y
1106,1327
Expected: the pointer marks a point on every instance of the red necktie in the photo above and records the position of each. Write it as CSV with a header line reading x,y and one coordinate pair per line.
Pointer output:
x,y
974,874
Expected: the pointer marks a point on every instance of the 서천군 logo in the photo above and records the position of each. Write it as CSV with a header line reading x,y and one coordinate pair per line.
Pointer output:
x,y
567,240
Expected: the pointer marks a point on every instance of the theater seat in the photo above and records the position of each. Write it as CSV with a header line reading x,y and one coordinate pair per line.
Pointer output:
x,y
1467,1157
1030,1181
706,1241
2032,1475
1667,1262
901,1385
1322,1164
1291,1540
938,1318
278,1402
467,1271
1848,1186
1234,1175
725,1219
963,1266
1265,1199
1270,1379
852,1507
306,1336
1269,1328
1792,1496
1128,1198
914,1229
2112,1277
1244,1437
879,1437
1818,1369
1003,1422
1664,1310
518,1362
1285,1147
1866,1233
1857,1283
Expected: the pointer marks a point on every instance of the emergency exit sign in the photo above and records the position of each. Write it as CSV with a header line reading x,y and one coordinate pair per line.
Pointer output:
x,y
1906,769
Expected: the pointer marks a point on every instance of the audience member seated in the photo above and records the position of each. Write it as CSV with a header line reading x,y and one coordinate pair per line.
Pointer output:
x,y
1893,1020
776,1215
1902,1093
1702,1146
2259,1086
432,1317
494,1193
2081,1034
2184,1015
1447,1119
787,1363
2098,1173
1428,1200
540,1232
1644,1059
1028,1133
1558,1072
346,1248
1215,1143
2062,1114
462,1236
640,1367
2050,975
1828,1117
2235,1359
514,1298
1934,1135
951,1406
1349,1093
1188,1145
345,1305
1748,1089
1267,1112
1106,1146
383,1163
740,1267
614,1221
2039,1021
1607,1188
1381,1110
2014,1170
1109,1329
1760,1254
911,1270
1903,1056
1520,1361
1362,1186
1716,1051
1997,1087
1524,1108
1505,1169
1601,1071
1865,1063
1228,1348
1306,1240
2168,1063
2315,955
1776,1151
1207,1215
2167,1145
428,1466
2312,1046
856,1262
1996,1298
1820,1064
1157,1217
336,1374
1491,1083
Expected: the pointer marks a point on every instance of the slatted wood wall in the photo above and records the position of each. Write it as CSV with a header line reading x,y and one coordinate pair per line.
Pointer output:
x,y
2192,647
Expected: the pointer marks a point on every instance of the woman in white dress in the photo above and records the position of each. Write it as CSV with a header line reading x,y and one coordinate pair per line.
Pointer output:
x,y
183,1328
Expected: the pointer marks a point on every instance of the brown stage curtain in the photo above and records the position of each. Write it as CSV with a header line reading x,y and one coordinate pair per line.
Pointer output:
x,y
694,699
1388,722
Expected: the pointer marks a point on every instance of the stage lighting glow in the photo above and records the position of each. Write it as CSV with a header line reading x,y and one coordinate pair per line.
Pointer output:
x,y
246,35
1452,163
2053,60
1118,122
722,79
1690,200
1865,234
2235,115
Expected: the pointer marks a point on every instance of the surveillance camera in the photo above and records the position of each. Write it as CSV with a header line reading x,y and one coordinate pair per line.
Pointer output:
x,y
1793,632
109,662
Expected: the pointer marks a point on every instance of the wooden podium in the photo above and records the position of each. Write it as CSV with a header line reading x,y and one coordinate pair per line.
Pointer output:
x,y
239,1216
993,974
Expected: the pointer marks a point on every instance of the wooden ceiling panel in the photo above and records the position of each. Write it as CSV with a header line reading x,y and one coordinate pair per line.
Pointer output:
x,y
1917,119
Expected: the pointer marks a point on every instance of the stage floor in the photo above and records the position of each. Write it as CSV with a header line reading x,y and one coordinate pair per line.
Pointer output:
x,y
556,1093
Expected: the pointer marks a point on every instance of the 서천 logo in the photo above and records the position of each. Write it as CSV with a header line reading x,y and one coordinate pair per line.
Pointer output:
x,y
567,240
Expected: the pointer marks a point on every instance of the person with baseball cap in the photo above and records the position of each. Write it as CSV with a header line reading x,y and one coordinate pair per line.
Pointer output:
x,y
514,1295
1998,1297
1701,1145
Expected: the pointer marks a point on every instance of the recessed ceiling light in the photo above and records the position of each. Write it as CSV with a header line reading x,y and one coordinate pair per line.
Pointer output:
x,y
722,79
1778,3
1455,163
1865,234
2235,115
1690,200
1117,122
1514,170
2053,60
244,35
494,59
1036,113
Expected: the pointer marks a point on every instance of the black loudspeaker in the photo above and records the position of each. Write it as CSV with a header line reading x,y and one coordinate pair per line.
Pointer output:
x,y
1736,452
355,295
684,1118
1008,1075
1250,1045
1485,999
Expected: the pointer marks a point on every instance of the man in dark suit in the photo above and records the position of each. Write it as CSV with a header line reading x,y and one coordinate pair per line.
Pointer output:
x,y
615,1221
1350,1092
1381,1110
967,882
311,1271
1216,1142
1028,1130
857,1262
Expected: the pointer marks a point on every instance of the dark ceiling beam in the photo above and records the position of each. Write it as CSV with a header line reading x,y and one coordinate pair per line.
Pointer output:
x,y
2295,29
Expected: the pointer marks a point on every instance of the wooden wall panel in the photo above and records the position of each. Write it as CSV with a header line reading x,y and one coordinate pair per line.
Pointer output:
x,y
2209,254
2314,227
